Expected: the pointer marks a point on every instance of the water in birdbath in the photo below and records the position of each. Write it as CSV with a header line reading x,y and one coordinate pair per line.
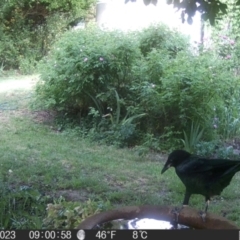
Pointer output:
x,y
144,223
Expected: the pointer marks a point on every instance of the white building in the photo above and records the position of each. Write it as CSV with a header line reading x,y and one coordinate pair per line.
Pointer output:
x,y
115,14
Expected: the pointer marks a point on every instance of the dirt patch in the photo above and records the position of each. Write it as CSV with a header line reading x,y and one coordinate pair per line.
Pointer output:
x,y
46,117
72,195
113,183
156,157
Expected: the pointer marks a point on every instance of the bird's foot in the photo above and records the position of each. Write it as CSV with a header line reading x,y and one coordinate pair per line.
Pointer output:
x,y
175,211
203,215
224,213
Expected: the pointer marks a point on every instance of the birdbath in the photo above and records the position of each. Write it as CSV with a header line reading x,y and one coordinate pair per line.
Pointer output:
x,y
187,216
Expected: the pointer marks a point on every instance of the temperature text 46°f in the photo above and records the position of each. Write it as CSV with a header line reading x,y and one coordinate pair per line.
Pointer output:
x,y
106,234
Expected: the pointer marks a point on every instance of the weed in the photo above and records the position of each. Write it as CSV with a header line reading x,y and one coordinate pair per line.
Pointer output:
x,y
1,70
68,215
192,139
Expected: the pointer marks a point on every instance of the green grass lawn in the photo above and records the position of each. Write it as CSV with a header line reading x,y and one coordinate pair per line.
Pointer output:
x,y
34,154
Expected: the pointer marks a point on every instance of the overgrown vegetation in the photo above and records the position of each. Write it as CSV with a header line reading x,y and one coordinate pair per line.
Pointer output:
x,y
38,167
40,164
145,90
151,81
68,215
21,208
28,29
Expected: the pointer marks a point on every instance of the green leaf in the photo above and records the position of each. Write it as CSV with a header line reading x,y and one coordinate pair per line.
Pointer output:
x,y
130,119
118,107
223,8
211,18
190,141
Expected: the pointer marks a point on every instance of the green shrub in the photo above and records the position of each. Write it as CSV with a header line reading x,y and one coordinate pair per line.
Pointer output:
x,y
227,122
192,138
68,215
22,208
159,36
151,93
227,46
176,92
122,130
88,72
83,69
28,29
215,149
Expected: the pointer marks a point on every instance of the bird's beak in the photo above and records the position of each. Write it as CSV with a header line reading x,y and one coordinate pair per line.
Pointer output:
x,y
165,168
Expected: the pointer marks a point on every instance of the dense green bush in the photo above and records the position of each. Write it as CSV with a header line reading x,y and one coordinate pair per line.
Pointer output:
x,y
152,93
29,27
92,69
22,208
226,45
84,68
68,215
160,36
177,91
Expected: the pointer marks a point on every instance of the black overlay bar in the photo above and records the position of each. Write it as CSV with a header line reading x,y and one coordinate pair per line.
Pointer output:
x,y
119,234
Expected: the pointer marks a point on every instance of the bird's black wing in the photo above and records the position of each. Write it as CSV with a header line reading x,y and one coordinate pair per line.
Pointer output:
x,y
195,164
213,168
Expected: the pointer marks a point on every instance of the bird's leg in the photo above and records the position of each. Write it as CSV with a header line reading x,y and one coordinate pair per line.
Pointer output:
x,y
176,211
204,214
206,205
224,213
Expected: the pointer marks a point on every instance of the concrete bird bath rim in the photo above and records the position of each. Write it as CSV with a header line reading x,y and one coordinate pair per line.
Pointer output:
x,y
188,216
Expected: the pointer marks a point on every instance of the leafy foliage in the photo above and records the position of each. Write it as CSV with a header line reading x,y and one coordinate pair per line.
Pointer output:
x,y
21,209
175,92
91,69
68,215
215,149
225,43
161,37
152,88
28,28
87,64
192,139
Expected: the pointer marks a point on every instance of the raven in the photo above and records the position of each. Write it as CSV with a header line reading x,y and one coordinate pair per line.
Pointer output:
x,y
207,177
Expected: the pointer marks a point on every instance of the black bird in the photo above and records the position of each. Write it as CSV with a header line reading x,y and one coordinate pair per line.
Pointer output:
x,y
207,177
